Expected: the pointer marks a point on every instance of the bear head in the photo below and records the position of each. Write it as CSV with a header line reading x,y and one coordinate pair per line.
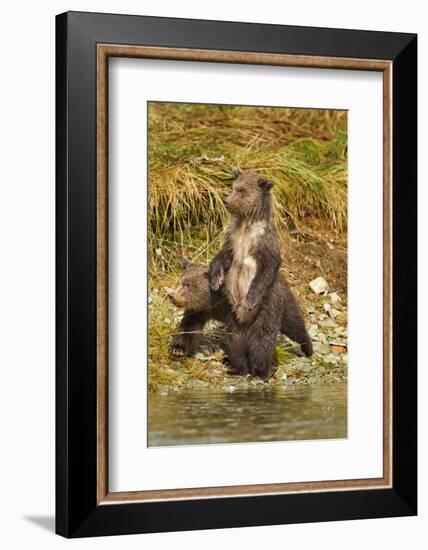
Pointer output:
x,y
250,195
192,290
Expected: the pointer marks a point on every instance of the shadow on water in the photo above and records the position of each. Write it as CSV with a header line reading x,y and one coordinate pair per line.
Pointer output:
x,y
249,415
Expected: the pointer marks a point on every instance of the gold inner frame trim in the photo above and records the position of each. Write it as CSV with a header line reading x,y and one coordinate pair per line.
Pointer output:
x,y
104,51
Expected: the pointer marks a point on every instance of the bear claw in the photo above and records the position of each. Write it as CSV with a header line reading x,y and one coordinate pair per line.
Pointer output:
x,y
176,351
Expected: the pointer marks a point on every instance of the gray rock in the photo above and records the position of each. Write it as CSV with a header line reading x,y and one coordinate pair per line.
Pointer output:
x,y
328,323
319,285
323,349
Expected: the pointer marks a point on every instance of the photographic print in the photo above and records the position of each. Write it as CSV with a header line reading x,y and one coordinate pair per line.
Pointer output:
x,y
247,274
234,251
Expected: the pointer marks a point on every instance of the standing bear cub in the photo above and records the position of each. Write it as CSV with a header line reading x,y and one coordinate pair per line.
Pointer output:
x,y
202,304
248,266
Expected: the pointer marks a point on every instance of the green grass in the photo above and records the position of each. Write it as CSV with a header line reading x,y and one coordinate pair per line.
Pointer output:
x,y
194,149
167,371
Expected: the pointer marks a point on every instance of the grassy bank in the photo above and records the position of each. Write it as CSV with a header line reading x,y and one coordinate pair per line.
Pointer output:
x,y
193,151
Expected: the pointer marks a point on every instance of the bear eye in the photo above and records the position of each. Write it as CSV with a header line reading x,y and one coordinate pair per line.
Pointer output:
x,y
186,285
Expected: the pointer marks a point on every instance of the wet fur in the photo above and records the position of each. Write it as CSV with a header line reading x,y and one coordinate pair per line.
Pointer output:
x,y
202,304
248,264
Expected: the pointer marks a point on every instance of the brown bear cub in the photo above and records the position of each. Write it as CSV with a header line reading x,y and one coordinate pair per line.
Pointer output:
x,y
248,265
201,304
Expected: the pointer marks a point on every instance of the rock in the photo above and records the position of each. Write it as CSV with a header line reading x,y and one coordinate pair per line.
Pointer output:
x,y
231,389
158,251
334,297
153,297
338,349
330,359
331,311
328,323
339,342
341,331
323,349
319,285
312,330
321,337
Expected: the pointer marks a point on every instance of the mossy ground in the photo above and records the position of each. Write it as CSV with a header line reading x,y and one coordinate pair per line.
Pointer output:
x,y
193,150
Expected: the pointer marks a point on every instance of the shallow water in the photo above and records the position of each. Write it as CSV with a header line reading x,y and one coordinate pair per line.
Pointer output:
x,y
248,415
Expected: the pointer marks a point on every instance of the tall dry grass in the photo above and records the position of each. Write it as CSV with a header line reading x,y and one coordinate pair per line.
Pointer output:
x,y
194,149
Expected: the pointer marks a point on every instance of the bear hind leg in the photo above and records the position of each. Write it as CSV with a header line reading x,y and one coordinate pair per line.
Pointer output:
x,y
260,356
235,352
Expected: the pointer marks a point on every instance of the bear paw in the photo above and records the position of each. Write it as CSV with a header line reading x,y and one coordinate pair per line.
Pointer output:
x,y
177,351
216,277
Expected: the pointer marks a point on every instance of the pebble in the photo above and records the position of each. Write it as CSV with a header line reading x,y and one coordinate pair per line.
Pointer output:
x,y
335,298
328,323
338,349
313,330
321,337
319,285
331,311
323,349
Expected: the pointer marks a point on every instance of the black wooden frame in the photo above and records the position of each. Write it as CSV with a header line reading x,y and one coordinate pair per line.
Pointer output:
x,y
77,512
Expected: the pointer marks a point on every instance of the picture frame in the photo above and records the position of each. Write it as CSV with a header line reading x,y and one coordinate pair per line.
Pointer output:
x,y
84,44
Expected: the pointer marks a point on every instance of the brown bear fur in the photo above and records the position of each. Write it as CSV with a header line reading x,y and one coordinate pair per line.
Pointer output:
x,y
248,265
201,304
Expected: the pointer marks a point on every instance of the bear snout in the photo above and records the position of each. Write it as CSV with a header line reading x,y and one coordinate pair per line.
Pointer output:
x,y
170,292
230,203
177,297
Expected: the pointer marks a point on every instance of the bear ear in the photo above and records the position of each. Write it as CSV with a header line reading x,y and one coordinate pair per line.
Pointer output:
x,y
184,262
236,172
265,185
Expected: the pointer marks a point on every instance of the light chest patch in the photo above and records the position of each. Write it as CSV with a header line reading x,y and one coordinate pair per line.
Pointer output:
x,y
244,266
245,238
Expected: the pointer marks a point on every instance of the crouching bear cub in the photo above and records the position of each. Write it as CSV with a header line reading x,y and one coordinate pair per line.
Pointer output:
x,y
248,266
202,304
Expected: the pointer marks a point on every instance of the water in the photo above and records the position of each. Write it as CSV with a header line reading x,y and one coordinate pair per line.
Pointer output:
x,y
248,415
